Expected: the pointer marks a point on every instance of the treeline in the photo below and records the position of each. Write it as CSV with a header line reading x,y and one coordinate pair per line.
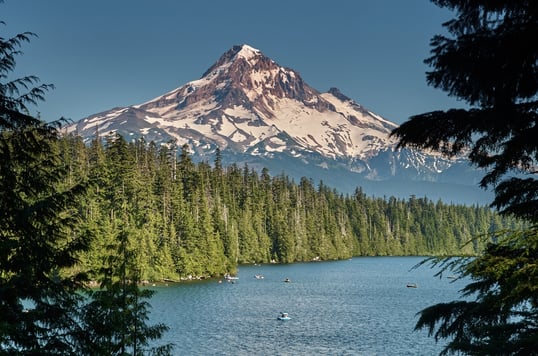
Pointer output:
x,y
199,219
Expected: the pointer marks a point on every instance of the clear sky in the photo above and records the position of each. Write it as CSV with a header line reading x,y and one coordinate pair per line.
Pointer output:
x,y
101,54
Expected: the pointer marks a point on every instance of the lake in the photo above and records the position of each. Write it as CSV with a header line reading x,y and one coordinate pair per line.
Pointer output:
x,y
360,306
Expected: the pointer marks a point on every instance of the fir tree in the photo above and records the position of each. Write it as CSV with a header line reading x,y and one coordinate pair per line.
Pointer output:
x,y
39,217
489,60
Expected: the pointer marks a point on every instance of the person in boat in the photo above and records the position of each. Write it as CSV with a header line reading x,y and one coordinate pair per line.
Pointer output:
x,y
283,316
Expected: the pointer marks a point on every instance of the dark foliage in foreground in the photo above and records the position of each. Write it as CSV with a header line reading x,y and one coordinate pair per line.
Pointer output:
x,y
42,237
490,60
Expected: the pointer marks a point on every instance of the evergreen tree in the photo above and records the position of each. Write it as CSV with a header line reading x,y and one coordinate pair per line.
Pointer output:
x,y
489,60
39,217
499,316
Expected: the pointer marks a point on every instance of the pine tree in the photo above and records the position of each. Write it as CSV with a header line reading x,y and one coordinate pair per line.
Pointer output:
x,y
489,60
39,217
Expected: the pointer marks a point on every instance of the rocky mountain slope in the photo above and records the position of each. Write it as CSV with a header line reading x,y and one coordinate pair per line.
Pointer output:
x,y
262,114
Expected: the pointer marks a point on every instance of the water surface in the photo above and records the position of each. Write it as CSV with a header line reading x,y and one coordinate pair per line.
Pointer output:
x,y
355,307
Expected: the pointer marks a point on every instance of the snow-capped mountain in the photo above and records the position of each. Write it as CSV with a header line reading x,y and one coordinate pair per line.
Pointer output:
x,y
260,113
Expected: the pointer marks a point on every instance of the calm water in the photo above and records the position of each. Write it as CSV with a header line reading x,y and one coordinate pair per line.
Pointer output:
x,y
356,307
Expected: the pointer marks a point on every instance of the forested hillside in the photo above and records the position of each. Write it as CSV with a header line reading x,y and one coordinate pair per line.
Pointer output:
x,y
202,219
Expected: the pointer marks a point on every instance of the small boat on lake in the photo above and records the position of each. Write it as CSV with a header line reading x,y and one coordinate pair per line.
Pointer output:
x,y
229,277
259,276
287,280
411,285
284,316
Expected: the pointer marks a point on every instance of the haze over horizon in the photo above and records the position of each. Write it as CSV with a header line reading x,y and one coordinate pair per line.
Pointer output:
x,y
102,54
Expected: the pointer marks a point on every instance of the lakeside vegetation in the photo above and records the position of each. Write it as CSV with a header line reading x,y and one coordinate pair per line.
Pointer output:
x,y
195,220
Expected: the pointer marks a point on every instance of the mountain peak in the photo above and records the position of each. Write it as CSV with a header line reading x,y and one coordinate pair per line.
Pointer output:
x,y
242,52
259,112
249,102
245,51
244,75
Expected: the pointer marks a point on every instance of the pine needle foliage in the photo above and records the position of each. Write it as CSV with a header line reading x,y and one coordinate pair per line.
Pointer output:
x,y
38,222
489,59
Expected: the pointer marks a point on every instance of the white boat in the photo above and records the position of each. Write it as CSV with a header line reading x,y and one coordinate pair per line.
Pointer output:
x,y
258,276
284,316
229,277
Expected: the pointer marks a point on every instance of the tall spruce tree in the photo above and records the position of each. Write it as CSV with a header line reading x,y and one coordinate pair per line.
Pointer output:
x,y
489,60
38,222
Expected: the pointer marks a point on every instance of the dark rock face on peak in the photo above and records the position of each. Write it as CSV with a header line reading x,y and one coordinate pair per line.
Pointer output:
x,y
266,115
244,68
338,94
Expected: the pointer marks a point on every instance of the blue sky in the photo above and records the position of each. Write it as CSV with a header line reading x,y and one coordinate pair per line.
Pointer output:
x,y
100,54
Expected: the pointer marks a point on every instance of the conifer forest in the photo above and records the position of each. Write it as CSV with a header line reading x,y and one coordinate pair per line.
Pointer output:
x,y
197,220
